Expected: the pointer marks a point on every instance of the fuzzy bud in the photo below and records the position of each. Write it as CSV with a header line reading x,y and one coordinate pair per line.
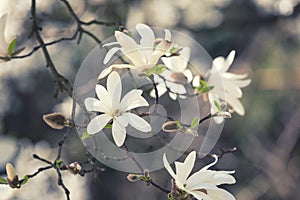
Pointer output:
x,y
55,120
74,168
134,177
170,127
12,177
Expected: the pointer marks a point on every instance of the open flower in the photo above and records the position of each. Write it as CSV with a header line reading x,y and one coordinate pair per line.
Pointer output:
x,y
175,76
116,110
141,56
202,184
226,86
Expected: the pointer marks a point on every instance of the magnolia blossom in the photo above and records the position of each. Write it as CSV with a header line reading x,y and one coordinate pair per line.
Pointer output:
x,y
202,184
114,109
141,56
175,76
226,86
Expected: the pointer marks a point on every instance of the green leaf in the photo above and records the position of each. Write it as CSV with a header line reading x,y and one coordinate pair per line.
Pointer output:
x,y
173,50
3,181
158,69
85,135
217,105
205,89
59,163
203,83
108,126
11,47
25,180
195,122
178,124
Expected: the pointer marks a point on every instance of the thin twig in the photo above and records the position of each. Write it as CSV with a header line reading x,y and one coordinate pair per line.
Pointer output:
x,y
63,83
133,158
159,187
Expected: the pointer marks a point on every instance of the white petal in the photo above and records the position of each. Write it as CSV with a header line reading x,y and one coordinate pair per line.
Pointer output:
x,y
196,81
105,72
176,88
230,75
168,168
118,132
98,123
104,97
110,44
200,179
223,177
242,83
114,88
184,169
173,96
110,54
160,50
220,194
168,35
161,90
93,104
129,48
218,65
200,195
229,60
178,63
147,40
137,122
123,120
131,100
211,164
235,104
188,74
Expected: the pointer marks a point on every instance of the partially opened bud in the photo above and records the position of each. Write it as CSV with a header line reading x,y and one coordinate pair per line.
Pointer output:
x,y
146,173
134,177
12,177
171,126
74,168
55,120
225,114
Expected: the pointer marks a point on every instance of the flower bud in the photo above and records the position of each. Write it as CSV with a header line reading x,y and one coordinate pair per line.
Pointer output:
x,y
55,120
74,168
146,173
132,177
225,114
12,177
171,126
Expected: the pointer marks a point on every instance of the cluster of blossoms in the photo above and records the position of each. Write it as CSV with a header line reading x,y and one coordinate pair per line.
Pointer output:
x,y
166,64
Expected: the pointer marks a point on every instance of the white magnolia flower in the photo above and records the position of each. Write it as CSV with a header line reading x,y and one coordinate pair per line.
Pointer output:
x,y
168,82
202,184
116,110
141,56
176,75
226,86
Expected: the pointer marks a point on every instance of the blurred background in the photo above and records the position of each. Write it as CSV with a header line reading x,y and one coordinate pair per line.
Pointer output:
x,y
266,36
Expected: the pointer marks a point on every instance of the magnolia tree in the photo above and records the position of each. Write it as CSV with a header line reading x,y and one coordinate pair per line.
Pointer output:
x,y
139,101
